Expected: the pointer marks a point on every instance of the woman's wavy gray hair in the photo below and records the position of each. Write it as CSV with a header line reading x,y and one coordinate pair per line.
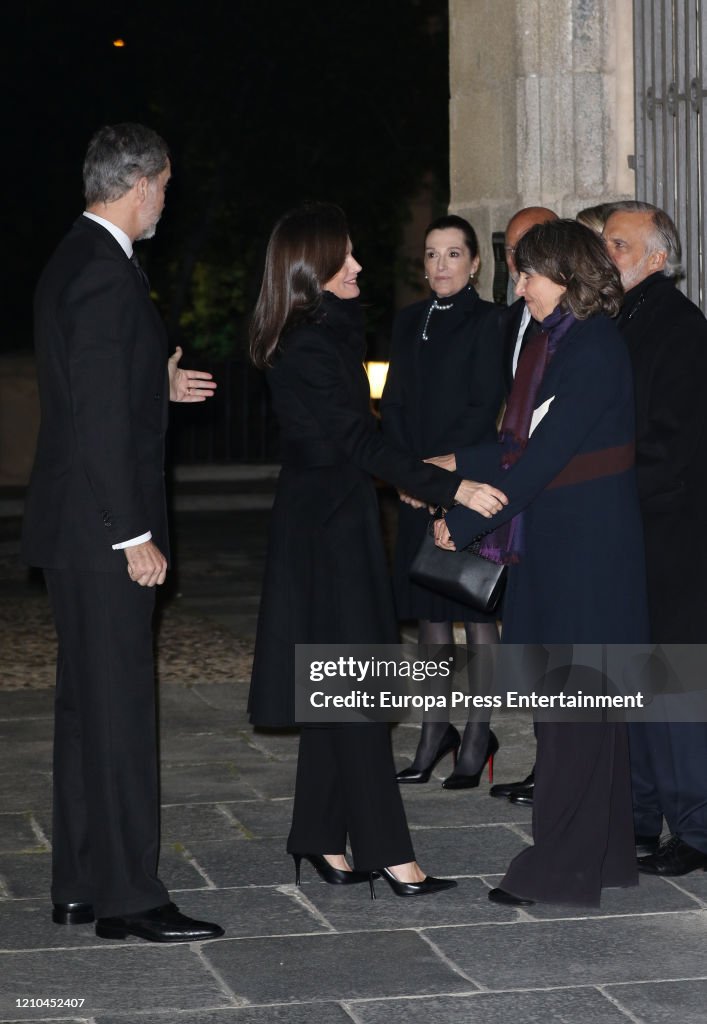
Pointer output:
x,y
664,236
118,155
572,255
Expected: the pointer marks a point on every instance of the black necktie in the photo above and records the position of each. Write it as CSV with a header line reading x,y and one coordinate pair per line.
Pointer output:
x,y
143,276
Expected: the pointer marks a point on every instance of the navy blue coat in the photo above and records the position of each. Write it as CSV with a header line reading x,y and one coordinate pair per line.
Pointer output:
x,y
581,575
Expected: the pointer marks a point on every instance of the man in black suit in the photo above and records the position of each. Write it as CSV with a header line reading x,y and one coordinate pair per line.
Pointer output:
x,y
96,522
667,340
516,328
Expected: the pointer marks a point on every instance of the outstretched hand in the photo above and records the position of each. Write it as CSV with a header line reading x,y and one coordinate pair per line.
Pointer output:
x,y
188,385
481,498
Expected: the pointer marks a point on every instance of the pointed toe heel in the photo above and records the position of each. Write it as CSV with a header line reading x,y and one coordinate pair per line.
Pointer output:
x,y
449,744
457,780
426,887
329,874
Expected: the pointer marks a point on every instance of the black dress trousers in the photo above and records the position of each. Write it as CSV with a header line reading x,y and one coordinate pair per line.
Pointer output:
x,y
346,786
105,843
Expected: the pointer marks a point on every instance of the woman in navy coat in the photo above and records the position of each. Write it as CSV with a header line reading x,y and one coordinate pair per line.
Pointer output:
x,y
571,536
444,390
326,580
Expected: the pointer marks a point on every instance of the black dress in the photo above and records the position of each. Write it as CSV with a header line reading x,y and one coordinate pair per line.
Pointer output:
x,y
443,393
326,581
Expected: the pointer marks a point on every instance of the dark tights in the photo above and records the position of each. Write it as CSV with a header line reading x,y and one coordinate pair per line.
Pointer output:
x,y
472,752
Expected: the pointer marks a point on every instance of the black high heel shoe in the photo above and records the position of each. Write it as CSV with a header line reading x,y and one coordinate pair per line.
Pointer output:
x,y
334,876
460,781
428,885
449,743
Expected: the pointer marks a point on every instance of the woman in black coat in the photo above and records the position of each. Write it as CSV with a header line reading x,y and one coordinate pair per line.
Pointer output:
x,y
326,580
443,392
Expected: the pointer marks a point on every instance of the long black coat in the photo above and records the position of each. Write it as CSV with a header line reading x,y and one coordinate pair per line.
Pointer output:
x,y
442,393
326,578
98,476
667,341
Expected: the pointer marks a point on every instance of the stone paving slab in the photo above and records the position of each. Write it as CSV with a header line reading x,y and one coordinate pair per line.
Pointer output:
x,y
273,780
660,1002
203,747
233,862
474,850
468,904
652,895
26,874
302,1013
187,823
16,704
205,783
325,967
580,952
254,912
130,978
558,1006
16,832
263,819
430,805
23,790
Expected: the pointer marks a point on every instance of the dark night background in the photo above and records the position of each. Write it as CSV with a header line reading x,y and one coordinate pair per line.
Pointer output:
x,y
263,104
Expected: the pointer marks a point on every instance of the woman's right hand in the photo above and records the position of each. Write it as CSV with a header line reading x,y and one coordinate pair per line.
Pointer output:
x,y
481,498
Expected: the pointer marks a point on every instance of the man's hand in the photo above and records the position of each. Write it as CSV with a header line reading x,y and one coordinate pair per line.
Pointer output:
x,y
146,564
480,498
188,385
442,536
448,462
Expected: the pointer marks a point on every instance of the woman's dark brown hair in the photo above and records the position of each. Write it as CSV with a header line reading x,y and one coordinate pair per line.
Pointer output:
x,y
572,255
307,248
452,220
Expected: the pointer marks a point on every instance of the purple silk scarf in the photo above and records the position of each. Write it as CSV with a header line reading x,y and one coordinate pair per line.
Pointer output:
x,y
505,544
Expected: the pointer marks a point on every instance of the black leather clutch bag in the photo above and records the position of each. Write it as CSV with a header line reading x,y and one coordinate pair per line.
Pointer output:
x,y
464,576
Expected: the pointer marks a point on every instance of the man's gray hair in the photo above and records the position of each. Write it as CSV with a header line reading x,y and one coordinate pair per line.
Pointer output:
x,y
118,155
664,236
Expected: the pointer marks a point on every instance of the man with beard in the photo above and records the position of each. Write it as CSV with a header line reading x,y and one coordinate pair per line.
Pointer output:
x,y
667,339
96,523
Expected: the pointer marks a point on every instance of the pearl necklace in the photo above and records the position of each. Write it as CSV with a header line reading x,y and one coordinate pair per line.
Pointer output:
x,y
435,305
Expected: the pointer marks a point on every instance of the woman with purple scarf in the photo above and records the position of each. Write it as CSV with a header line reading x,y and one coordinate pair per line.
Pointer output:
x,y
571,537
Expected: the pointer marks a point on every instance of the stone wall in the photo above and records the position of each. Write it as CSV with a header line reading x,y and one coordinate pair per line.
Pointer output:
x,y
541,109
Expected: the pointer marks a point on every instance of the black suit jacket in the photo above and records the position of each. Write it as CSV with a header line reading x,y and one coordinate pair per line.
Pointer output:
x,y
667,341
510,325
101,358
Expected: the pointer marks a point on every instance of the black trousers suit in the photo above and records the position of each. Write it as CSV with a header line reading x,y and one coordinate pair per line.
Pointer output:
x,y
105,837
97,481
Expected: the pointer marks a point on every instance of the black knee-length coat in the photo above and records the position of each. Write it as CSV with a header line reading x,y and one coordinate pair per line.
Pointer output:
x,y
326,577
443,392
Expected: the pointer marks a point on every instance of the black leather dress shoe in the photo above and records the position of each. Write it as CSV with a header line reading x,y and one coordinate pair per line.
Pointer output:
x,y
72,913
508,899
646,845
161,924
674,857
523,796
507,789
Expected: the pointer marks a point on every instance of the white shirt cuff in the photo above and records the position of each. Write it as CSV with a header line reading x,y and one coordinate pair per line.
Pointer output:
x,y
131,543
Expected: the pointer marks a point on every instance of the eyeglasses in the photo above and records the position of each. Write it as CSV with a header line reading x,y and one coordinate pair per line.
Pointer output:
x,y
509,249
